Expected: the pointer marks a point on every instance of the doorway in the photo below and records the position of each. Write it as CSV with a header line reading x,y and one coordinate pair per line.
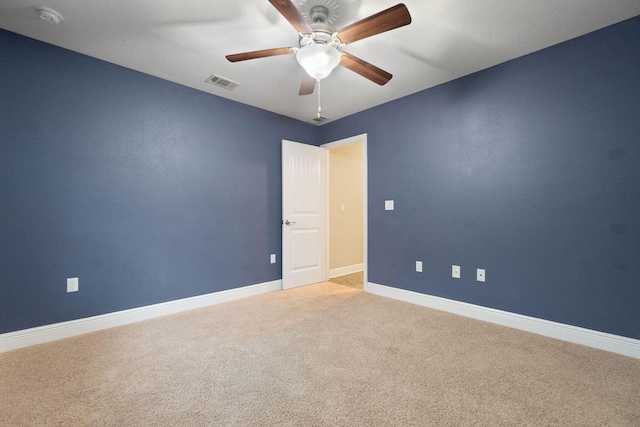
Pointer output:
x,y
347,211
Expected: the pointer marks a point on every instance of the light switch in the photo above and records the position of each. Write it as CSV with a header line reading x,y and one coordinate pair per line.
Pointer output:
x,y
72,284
419,266
273,258
388,205
342,207
480,275
455,271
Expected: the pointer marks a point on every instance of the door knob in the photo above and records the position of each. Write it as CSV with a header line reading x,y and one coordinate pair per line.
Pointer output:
x,y
287,222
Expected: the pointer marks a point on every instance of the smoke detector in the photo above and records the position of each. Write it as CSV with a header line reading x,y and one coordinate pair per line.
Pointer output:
x,y
49,15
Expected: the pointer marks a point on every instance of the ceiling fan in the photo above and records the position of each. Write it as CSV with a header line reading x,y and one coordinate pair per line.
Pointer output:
x,y
318,51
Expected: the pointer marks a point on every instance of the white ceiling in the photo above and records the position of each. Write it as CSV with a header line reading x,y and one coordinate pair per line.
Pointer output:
x,y
185,41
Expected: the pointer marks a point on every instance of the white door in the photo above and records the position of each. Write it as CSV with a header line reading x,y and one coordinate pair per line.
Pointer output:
x,y
303,214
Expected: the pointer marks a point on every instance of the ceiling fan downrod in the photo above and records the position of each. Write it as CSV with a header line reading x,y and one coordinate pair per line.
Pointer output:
x,y
319,13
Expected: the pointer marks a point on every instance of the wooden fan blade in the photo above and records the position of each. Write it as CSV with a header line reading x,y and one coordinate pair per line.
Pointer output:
x,y
394,17
293,15
260,54
365,69
308,85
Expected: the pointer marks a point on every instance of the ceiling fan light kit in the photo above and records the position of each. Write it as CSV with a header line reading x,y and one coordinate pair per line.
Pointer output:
x,y
318,60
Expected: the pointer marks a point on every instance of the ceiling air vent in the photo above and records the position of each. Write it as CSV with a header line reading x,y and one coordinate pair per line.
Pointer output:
x,y
222,82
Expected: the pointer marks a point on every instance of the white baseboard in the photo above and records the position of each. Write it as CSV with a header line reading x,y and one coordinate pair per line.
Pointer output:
x,y
56,331
341,271
601,340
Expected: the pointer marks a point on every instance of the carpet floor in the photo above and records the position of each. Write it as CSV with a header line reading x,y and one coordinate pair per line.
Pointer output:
x,y
321,355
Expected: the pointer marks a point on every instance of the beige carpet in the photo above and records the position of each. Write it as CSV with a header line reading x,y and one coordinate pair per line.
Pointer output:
x,y
322,355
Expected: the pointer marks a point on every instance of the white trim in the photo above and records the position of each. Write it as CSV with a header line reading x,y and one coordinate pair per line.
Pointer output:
x,y
56,331
345,141
349,269
601,340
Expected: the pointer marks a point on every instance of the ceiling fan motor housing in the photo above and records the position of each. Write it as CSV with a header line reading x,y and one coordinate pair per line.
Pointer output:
x,y
322,31
322,34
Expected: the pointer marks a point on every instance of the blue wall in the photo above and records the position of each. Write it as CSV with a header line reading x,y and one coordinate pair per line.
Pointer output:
x,y
531,170
150,191
146,190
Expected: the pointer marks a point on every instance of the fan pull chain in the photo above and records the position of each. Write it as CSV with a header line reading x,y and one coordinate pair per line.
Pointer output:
x,y
319,107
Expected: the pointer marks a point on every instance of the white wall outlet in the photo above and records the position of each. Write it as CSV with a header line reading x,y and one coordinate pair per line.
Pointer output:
x,y
342,207
455,271
480,275
72,284
273,258
388,205
419,266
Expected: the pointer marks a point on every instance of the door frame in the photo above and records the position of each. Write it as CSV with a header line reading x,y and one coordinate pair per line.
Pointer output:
x,y
365,166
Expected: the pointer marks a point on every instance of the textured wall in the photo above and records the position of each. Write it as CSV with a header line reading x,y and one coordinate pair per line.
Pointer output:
x,y
146,190
150,191
531,170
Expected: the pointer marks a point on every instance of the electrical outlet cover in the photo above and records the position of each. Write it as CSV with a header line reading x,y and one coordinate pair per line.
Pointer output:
x,y
72,284
455,271
480,275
